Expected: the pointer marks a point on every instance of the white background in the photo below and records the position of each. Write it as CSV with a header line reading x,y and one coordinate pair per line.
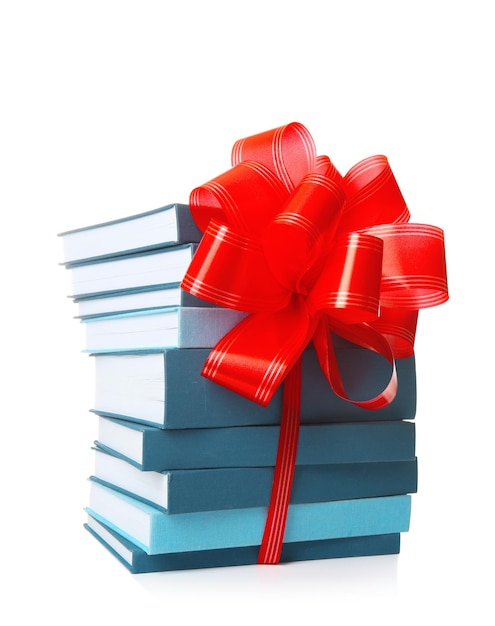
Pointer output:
x,y
112,108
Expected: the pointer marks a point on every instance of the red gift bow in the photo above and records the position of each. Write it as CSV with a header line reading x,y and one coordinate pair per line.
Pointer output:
x,y
307,253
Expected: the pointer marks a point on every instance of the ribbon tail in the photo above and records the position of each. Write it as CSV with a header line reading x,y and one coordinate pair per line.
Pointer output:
x,y
273,536
365,336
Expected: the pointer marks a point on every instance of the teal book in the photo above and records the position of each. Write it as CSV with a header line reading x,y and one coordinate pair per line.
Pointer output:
x,y
138,562
150,448
148,269
166,389
139,299
156,532
169,225
189,490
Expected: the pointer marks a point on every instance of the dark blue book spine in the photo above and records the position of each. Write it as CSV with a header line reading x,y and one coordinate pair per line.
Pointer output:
x,y
246,487
243,487
192,401
256,446
197,402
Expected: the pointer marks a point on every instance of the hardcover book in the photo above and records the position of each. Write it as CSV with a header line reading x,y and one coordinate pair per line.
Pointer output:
x,y
139,299
166,389
168,225
138,562
158,533
150,448
189,490
171,327
152,268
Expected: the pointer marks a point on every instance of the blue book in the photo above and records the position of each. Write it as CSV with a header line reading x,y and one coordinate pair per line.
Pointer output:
x,y
170,327
157,533
168,225
150,448
139,299
166,389
138,562
151,268
189,490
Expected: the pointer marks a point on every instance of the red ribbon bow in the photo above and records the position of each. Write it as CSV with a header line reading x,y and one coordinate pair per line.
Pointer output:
x,y
307,253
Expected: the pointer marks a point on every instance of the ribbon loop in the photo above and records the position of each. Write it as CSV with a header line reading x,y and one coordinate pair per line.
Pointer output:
x,y
348,287
414,267
325,167
245,198
373,196
230,270
398,327
300,233
287,151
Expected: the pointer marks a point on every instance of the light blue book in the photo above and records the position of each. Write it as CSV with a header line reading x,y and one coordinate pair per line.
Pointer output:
x,y
156,532
139,299
170,327
138,562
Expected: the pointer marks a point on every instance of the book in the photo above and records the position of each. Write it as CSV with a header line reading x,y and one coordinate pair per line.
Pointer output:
x,y
166,389
158,533
189,490
150,448
151,268
138,562
139,299
168,225
170,327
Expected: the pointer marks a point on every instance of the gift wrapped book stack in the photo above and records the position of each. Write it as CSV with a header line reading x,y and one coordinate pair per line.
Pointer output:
x,y
254,358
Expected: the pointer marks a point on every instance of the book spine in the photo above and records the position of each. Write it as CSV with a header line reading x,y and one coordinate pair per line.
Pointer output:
x,y
203,327
143,269
189,400
166,327
256,446
192,401
226,488
187,231
190,491
100,241
137,300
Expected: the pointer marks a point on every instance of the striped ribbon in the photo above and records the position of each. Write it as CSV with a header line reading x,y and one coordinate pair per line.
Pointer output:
x,y
273,536
307,253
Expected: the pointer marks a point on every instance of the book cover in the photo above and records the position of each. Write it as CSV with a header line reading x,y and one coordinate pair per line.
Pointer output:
x,y
189,490
150,448
138,299
169,225
138,562
150,268
157,533
166,389
171,327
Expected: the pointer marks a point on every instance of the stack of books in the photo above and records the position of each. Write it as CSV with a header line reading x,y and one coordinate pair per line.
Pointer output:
x,y
184,467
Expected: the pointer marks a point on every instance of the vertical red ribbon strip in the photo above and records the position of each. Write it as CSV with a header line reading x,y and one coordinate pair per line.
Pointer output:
x,y
307,253
273,536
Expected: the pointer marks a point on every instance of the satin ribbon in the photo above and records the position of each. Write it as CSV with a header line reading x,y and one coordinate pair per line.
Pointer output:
x,y
308,253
